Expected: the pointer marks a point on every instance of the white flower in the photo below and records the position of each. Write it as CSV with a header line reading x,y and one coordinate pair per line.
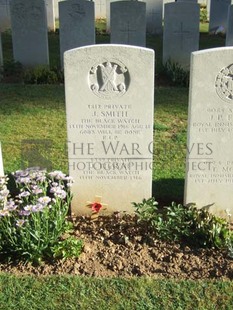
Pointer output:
x,y
36,190
10,205
24,194
28,208
228,212
4,213
38,207
44,200
57,175
19,223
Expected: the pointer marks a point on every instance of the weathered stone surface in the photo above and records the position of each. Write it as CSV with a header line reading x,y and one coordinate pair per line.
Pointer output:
x,y
181,32
109,100
218,14
50,14
229,34
77,24
29,32
154,12
100,9
209,173
128,22
5,20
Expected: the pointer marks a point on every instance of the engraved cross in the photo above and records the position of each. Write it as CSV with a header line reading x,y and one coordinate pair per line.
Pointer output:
x,y
128,31
182,33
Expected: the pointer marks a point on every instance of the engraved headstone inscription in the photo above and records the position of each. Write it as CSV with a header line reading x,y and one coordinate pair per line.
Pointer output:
x,y
109,107
218,14
209,169
128,22
5,21
181,32
29,32
229,34
77,24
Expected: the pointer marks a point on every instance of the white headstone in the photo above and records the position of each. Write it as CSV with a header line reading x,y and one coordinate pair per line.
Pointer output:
x,y
218,14
128,22
5,21
181,32
1,54
77,24
209,173
1,162
29,32
100,9
109,102
154,12
50,14
229,34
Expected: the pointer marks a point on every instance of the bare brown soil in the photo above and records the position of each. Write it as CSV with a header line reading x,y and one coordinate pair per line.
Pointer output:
x,y
118,246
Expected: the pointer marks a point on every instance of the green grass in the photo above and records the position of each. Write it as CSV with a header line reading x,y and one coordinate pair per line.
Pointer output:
x,y
37,112
32,113
72,293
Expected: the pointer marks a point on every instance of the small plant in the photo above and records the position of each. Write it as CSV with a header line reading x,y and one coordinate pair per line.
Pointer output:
x,y
176,74
203,14
42,75
68,248
32,222
184,223
147,210
13,69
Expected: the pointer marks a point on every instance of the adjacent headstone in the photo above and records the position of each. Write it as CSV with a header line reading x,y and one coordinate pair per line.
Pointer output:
x,y
165,2
209,173
1,162
128,22
181,32
5,21
154,12
29,32
109,102
50,14
192,1
229,34
100,9
108,17
1,54
77,24
218,14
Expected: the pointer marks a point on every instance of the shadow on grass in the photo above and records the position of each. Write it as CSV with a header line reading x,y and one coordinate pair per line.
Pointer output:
x,y
166,191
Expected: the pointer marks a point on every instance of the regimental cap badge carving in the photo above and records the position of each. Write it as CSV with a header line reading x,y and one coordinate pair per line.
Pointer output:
x,y
224,84
109,79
